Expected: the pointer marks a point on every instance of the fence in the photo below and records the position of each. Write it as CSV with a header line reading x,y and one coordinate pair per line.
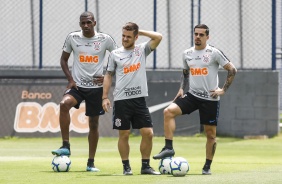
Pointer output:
x,y
33,33
248,32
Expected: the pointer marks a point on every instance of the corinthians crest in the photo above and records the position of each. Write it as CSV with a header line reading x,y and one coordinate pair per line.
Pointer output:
x,y
97,45
137,51
206,58
118,122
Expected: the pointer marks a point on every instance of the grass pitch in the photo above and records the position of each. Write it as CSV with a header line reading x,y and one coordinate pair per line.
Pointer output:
x,y
28,160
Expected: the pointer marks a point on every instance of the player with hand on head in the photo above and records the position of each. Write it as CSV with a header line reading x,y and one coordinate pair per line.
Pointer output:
x,y
200,71
85,82
128,63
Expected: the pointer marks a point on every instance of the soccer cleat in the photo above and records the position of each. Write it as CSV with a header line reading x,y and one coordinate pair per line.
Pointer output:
x,y
206,171
164,153
149,170
92,169
62,151
127,170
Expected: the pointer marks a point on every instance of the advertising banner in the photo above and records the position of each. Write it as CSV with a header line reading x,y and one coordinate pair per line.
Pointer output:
x,y
30,108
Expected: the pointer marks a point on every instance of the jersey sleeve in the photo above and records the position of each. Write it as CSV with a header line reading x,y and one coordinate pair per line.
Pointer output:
x,y
148,49
221,58
111,62
111,44
184,58
67,45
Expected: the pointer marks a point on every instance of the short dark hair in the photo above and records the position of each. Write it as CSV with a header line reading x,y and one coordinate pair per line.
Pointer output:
x,y
88,14
130,26
203,26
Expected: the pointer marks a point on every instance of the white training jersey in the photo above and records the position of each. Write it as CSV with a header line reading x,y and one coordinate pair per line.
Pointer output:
x,y
130,70
203,66
88,56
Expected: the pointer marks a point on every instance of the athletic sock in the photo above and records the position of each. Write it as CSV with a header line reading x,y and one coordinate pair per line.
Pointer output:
x,y
168,144
90,162
66,144
208,164
125,163
145,163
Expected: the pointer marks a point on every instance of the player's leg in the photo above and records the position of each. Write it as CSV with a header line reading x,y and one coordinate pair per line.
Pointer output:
x,y
124,148
93,138
209,111
122,113
93,102
210,132
180,106
146,142
145,149
170,113
142,120
66,104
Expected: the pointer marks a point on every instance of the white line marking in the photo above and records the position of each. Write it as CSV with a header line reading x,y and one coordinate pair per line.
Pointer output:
x,y
159,106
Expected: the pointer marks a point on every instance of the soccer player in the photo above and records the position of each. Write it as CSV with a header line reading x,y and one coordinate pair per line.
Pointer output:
x,y
89,49
200,71
128,63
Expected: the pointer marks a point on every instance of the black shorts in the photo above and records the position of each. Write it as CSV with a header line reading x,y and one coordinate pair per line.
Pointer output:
x,y
208,110
92,97
131,112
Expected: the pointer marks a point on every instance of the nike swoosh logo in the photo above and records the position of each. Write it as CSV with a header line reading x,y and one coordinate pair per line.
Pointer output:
x,y
159,106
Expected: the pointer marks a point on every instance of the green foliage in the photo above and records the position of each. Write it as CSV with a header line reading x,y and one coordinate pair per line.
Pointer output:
x,y
28,160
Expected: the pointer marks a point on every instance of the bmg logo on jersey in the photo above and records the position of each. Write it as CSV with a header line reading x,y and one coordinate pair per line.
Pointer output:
x,y
199,71
131,68
88,58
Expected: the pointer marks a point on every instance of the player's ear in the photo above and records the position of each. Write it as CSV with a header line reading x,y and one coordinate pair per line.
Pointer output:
x,y
94,23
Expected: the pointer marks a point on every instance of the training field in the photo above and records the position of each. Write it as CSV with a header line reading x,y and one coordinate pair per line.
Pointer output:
x,y
28,160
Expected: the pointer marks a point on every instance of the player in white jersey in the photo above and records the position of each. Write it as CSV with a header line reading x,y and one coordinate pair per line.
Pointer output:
x,y
85,81
200,71
128,63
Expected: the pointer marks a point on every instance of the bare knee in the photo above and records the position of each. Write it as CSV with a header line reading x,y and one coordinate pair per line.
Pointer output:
x,y
168,113
147,133
172,111
211,136
66,104
93,123
124,134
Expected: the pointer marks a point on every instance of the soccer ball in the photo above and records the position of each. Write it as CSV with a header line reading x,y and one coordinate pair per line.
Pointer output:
x,y
61,163
179,166
164,165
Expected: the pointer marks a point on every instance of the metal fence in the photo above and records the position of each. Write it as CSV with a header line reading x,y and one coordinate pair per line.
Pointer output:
x,y
248,32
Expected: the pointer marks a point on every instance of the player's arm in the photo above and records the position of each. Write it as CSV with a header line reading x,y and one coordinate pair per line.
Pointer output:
x,y
229,79
230,75
155,37
65,67
106,87
183,83
184,79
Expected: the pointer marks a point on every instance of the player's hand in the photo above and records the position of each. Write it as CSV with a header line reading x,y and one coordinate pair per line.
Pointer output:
x,y
179,94
217,92
98,80
72,84
106,104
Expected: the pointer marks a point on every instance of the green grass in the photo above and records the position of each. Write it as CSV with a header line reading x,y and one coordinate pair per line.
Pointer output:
x,y
28,160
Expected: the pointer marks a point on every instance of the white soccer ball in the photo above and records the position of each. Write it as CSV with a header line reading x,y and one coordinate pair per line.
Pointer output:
x,y
61,163
179,166
164,165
